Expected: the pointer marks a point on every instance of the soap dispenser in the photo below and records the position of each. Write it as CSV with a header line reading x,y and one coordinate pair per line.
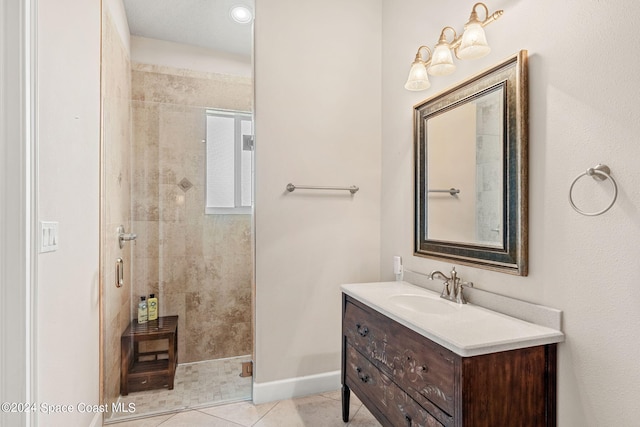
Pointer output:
x,y
153,307
142,310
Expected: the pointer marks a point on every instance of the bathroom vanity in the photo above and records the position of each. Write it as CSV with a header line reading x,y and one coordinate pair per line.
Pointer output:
x,y
414,359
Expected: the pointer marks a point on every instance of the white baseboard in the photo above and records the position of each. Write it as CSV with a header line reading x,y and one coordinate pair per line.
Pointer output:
x,y
296,387
97,420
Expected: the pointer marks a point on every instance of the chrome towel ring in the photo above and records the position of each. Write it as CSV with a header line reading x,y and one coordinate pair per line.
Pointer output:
x,y
599,173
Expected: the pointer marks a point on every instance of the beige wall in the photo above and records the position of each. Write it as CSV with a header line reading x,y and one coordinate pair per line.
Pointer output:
x,y
68,134
116,208
317,77
199,266
581,112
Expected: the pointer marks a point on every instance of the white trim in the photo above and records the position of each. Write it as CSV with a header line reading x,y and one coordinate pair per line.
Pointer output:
x,y
296,387
18,168
243,210
97,420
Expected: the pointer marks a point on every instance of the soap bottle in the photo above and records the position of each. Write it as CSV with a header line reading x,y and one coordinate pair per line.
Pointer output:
x,y
153,307
142,310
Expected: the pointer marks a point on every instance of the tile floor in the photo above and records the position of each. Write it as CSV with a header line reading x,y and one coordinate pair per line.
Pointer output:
x,y
321,410
195,385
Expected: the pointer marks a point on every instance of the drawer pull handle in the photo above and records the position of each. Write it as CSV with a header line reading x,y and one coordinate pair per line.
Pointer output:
x,y
363,377
362,330
408,418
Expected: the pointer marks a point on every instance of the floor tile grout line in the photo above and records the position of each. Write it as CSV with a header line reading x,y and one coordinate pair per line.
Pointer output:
x,y
265,414
219,418
353,416
171,416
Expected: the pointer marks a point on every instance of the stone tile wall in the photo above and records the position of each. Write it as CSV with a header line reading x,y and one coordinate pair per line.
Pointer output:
x,y
199,266
489,142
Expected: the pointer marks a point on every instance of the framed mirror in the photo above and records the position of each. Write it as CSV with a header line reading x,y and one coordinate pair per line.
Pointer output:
x,y
471,170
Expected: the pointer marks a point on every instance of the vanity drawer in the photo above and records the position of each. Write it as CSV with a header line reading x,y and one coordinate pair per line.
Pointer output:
x,y
422,368
399,408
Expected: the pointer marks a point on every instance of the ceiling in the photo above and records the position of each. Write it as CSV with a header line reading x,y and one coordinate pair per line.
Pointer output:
x,y
203,23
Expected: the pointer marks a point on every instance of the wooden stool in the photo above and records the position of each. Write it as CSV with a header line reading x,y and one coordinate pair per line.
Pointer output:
x,y
151,372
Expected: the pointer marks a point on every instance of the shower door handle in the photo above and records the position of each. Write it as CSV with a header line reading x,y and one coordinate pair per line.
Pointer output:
x,y
125,237
119,273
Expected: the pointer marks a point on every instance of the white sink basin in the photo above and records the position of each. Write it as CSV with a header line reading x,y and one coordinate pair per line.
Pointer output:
x,y
425,304
465,329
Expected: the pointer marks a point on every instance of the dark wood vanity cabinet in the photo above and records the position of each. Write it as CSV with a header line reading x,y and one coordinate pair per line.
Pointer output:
x,y
405,379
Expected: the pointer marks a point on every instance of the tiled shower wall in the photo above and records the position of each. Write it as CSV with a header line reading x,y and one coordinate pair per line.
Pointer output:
x,y
489,153
200,266
116,202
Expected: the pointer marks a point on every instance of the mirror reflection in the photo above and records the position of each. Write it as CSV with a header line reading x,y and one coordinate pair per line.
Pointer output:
x,y
465,152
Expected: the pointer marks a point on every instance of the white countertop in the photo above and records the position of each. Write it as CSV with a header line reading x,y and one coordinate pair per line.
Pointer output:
x,y
465,329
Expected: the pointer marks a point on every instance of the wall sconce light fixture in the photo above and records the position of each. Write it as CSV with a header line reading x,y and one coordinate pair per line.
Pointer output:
x,y
472,44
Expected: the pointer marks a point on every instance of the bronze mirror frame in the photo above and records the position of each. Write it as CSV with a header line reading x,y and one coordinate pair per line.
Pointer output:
x,y
512,256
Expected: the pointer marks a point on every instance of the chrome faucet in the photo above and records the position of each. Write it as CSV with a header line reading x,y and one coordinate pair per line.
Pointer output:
x,y
455,294
446,292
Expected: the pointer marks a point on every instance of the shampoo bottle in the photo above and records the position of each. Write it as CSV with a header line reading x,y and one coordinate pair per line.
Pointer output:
x,y
142,310
153,307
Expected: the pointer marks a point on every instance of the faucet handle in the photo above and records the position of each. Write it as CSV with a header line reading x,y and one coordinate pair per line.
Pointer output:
x,y
454,275
446,292
460,296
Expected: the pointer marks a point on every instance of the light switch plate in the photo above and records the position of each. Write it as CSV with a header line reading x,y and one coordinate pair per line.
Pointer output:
x,y
48,236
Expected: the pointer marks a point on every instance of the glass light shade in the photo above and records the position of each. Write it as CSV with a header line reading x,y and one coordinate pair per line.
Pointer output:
x,y
474,42
441,61
418,79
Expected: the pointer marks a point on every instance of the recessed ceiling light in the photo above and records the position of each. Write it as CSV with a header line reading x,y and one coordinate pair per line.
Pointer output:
x,y
241,14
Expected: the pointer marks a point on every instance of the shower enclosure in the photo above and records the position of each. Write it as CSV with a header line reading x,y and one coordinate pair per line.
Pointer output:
x,y
176,143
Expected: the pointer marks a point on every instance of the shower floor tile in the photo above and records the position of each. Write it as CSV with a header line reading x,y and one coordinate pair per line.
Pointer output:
x,y
196,385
